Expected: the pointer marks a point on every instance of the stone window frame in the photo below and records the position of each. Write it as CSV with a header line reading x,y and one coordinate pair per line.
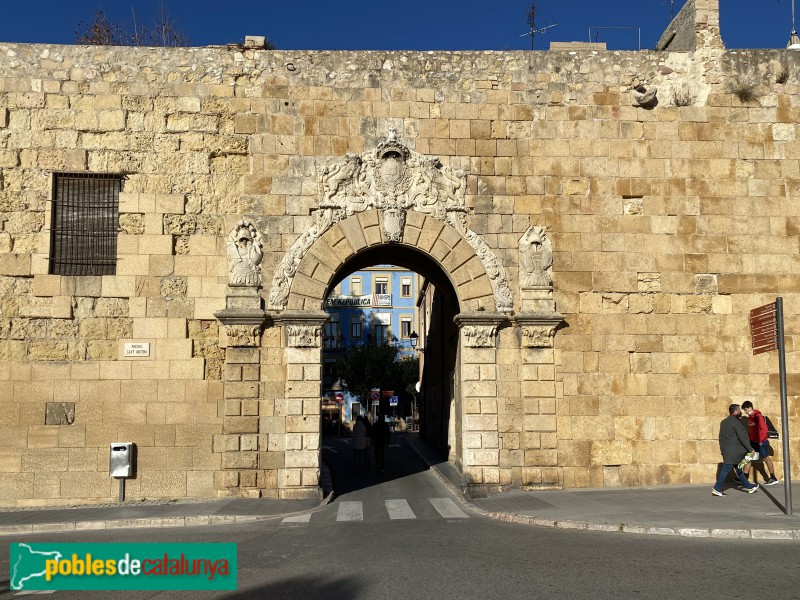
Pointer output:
x,y
406,281
356,321
381,278
356,280
406,318
84,223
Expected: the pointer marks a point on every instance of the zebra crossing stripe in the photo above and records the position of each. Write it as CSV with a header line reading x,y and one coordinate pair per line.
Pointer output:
x,y
447,508
399,509
298,519
350,511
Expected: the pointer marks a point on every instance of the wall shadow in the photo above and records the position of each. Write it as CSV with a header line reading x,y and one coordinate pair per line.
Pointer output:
x,y
337,454
295,588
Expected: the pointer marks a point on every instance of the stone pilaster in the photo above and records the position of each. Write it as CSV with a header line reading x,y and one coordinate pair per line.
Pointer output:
x,y
242,320
299,410
539,394
479,393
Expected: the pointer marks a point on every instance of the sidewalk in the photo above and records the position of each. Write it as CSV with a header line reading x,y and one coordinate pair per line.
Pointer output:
x,y
182,513
682,510
686,510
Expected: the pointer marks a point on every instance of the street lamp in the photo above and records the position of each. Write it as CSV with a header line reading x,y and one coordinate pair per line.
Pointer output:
x,y
414,339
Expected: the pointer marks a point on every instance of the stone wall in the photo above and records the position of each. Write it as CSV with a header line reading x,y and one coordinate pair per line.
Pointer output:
x,y
668,223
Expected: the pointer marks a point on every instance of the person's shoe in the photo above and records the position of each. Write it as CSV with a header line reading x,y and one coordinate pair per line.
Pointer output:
x,y
716,492
752,489
771,481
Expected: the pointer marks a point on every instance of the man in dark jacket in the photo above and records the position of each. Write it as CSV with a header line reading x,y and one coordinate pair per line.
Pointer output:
x,y
734,445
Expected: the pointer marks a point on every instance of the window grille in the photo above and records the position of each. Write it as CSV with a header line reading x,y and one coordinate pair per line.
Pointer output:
x,y
84,224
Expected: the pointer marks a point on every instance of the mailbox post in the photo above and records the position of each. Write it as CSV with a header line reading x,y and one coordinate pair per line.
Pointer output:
x,y
121,464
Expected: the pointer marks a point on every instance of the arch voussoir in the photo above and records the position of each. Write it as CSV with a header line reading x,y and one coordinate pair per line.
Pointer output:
x,y
371,227
429,233
354,233
339,243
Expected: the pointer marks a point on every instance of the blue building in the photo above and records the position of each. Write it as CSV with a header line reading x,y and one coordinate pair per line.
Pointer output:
x,y
375,305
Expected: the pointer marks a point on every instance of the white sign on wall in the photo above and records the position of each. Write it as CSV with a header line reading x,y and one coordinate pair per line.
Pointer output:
x,y
137,349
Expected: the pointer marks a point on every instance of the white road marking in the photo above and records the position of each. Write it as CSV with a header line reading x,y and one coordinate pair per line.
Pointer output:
x,y
350,511
298,519
448,509
399,509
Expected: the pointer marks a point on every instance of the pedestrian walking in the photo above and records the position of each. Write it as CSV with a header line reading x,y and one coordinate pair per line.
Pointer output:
x,y
359,443
734,446
757,432
380,441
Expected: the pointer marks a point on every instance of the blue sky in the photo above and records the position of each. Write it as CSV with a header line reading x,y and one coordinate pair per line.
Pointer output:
x,y
408,24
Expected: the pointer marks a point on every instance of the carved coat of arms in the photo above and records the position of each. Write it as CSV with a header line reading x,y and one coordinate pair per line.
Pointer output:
x,y
392,179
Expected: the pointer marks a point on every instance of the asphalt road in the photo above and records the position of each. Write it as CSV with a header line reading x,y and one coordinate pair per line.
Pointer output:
x,y
403,535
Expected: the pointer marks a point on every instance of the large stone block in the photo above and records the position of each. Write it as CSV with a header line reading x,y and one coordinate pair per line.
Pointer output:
x,y
240,425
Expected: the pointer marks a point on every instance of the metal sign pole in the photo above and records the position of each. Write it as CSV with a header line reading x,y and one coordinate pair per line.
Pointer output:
x,y
787,471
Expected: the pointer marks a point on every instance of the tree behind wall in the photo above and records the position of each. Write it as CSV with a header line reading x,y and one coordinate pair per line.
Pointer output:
x,y
376,366
103,32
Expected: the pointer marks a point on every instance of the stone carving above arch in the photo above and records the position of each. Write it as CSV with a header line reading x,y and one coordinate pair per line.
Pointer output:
x,y
392,179
535,260
245,252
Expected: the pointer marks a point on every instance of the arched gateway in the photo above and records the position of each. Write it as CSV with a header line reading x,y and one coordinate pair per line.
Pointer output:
x,y
389,204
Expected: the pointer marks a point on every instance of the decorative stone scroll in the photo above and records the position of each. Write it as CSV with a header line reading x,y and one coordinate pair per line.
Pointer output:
x,y
480,329
244,335
392,179
538,330
538,337
479,336
303,336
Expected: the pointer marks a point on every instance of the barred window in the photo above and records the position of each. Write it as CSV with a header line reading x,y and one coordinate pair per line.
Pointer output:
x,y
84,224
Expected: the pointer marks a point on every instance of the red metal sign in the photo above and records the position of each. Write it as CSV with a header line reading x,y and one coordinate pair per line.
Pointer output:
x,y
764,328
339,396
765,349
763,310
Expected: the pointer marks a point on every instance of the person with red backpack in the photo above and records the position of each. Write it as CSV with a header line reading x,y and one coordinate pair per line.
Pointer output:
x,y
757,432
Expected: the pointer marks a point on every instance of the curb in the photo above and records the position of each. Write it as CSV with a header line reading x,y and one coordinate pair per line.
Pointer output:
x,y
694,532
691,532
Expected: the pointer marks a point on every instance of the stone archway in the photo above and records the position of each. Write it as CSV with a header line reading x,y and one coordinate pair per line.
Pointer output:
x,y
392,198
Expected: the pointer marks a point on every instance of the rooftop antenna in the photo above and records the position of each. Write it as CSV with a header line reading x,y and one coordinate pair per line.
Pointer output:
x,y
532,24
794,41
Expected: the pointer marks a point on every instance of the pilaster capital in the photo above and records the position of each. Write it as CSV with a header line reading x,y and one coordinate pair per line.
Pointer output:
x,y
303,328
538,330
243,327
480,328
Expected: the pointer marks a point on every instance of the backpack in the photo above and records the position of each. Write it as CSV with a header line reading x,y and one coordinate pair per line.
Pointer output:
x,y
772,433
